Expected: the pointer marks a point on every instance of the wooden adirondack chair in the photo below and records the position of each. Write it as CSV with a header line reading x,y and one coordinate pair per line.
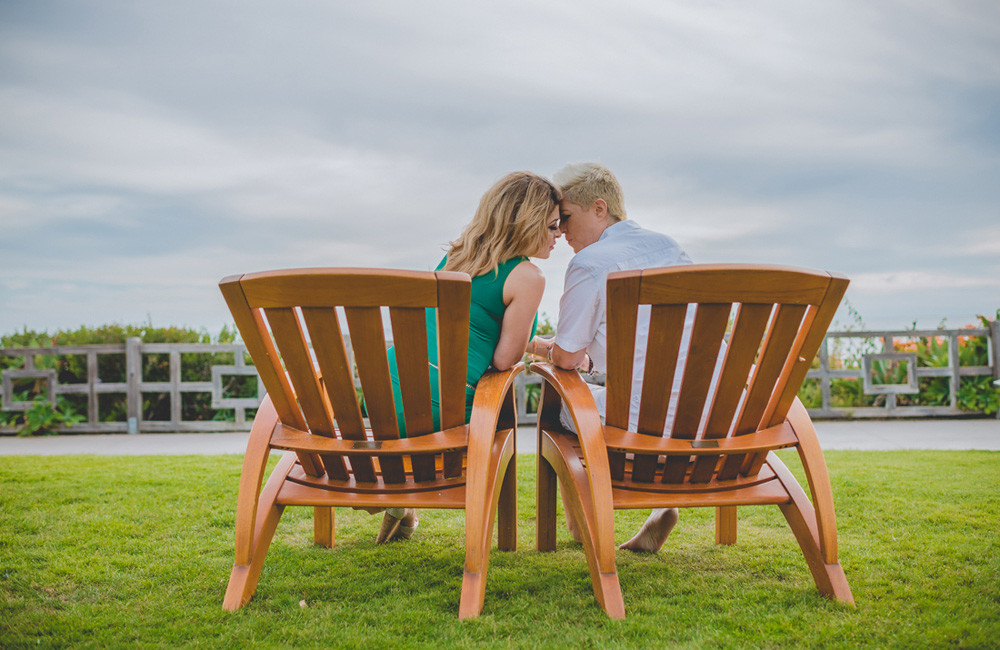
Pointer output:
x,y
312,412
719,456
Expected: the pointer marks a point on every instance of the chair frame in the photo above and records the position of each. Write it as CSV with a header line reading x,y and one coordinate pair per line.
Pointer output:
x,y
325,465
722,460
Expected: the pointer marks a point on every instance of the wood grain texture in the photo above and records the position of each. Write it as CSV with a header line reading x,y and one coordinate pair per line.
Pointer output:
x,y
719,450
290,323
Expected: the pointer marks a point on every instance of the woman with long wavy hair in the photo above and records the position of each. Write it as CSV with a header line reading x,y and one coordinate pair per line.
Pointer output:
x,y
517,218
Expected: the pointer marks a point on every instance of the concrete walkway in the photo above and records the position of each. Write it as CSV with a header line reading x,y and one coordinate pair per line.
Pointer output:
x,y
867,435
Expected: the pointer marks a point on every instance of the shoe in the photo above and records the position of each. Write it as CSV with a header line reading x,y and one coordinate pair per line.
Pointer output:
x,y
397,523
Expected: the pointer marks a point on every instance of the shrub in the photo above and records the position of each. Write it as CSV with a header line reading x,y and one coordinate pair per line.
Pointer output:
x,y
41,417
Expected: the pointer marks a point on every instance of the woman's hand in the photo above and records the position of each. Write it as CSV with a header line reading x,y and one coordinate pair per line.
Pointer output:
x,y
539,347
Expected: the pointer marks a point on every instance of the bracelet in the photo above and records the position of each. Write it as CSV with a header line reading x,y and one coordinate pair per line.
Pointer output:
x,y
548,352
590,365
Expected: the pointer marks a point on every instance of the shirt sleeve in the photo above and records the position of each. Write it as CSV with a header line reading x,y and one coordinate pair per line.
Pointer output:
x,y
579,310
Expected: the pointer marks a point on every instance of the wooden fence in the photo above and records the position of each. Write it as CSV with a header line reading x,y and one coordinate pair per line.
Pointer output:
x,y
135,386
879,347
878,350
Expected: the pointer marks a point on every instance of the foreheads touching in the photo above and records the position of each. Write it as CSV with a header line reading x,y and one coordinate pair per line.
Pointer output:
x,y
584,183
512,221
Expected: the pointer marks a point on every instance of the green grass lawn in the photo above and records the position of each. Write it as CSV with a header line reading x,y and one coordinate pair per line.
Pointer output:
x,y
123,552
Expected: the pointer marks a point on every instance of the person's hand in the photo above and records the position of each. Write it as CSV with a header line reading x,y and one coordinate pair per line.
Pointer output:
x,y
540,347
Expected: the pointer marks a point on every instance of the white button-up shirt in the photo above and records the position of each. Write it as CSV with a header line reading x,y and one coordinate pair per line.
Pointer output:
x,y
583,318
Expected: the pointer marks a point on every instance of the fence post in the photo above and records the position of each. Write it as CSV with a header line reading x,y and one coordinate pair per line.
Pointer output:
x,y
133,375
995,341
995,344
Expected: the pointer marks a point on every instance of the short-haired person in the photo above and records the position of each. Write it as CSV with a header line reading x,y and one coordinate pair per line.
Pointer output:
x,y
516,219
593,221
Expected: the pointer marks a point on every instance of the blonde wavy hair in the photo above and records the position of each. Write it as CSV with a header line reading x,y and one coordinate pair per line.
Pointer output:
x,y
511,221
584,183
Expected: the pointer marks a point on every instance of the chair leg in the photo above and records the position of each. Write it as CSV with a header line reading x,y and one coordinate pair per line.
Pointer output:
x,y
507,509
801,517
243,579
725,525
482,496
324,526
576,483
545,539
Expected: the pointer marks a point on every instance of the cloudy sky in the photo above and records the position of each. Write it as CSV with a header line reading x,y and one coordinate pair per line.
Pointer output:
x,y
149,148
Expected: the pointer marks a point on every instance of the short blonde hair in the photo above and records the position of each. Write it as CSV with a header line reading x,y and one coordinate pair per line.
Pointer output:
x,y
584,183
511,221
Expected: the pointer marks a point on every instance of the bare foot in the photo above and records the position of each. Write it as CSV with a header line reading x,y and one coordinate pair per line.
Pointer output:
x,y
654,531
397,523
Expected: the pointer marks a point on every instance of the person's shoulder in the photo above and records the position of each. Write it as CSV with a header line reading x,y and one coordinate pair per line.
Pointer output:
x,y
527,268
527,272
597,254
638,231
660,241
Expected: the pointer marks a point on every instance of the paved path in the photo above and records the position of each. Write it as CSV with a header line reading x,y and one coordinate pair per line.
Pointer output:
x,y
858,434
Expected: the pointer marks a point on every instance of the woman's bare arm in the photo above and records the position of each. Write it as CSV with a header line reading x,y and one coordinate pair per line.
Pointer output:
x,y
522,293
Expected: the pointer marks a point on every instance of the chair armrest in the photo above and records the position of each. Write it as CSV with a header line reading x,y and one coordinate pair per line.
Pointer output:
x,y
814,465
252,476
492,410
487,409
491,391
574,393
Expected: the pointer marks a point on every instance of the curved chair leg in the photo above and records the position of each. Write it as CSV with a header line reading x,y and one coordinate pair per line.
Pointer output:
x,y
244,577
801,517
482,496
545,538
507,508
576,482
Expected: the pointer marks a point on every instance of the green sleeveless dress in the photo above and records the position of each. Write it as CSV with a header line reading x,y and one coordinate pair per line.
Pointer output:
x,y
485,318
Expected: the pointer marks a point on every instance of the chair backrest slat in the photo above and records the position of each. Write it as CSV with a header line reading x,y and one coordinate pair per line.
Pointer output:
x,y
368,340
772,359
622,300
666,329
710,322
819,320
337,372
320,397
740,353
250,322
727,387
294,350
409,336
291,342
454,299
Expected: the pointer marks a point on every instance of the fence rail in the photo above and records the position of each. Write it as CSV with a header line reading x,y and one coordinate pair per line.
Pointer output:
x,y
134,385
882,351
880,348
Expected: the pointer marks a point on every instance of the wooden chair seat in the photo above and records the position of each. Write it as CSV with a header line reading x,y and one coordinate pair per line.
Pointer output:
x,y
755,332
292,323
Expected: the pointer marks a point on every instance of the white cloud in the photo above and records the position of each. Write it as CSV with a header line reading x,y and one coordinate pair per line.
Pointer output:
x,y
984,241
908,281
155,147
